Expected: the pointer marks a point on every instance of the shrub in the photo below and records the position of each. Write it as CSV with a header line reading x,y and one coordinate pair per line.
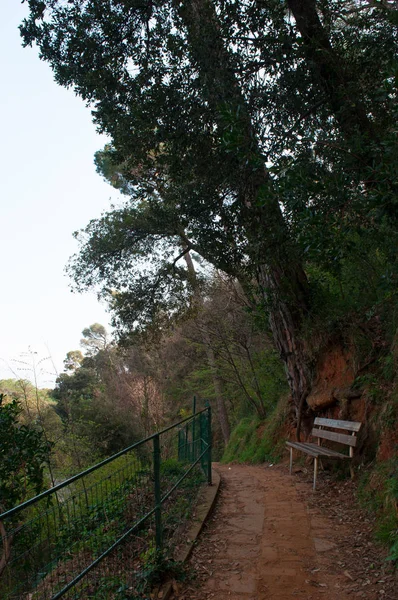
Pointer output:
x,y
23,455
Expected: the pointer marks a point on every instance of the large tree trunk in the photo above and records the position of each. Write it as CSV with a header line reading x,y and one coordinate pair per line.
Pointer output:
x,y
286,324
282,280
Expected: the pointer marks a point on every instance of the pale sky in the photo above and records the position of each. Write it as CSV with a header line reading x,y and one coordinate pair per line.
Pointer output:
x,y
48,189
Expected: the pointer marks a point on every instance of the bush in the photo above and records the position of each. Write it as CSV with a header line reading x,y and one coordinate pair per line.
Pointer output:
x,y
379,493
23,455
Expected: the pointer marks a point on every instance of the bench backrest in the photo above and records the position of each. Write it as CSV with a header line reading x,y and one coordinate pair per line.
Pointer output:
x,y
342,438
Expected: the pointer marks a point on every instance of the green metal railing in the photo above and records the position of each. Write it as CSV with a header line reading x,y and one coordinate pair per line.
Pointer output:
x,y
93,535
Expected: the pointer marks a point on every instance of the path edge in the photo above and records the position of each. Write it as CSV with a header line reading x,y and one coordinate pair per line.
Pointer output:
x,y
206,503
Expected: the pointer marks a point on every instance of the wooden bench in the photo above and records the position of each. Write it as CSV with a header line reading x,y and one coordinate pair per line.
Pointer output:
x,y
325,429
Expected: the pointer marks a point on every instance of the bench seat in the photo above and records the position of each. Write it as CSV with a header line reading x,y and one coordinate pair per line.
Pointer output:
x,y
315,450
325,429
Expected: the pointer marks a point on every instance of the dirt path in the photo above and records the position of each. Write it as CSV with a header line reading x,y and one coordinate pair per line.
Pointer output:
x,y
265,543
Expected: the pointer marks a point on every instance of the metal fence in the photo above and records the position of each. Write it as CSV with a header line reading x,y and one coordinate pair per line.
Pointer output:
x,y
99,534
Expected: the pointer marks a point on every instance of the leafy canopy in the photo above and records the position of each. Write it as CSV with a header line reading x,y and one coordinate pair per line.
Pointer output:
x,y
221,113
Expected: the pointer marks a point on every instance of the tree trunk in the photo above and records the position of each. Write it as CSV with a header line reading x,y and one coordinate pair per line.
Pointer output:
x,y
281,277
286,324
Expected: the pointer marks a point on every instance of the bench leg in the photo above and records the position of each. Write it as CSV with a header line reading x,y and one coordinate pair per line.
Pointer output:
x,y
315,471
291,460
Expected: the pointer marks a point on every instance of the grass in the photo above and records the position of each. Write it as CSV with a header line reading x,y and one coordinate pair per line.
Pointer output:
x,y
255,441
378,492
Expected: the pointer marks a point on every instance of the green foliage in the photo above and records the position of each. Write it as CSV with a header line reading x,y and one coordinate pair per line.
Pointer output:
x,y
157,569
67,530
253,376
98,518
94,339
242,436
394,548
37,404
271,378
388,417
239,132
77,388
73,360
256,441
23,456
185,142
378,492
387,365
171,467
98,418
264,141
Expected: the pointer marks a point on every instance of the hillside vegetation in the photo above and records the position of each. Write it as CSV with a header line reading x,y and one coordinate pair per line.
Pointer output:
x,y
254,254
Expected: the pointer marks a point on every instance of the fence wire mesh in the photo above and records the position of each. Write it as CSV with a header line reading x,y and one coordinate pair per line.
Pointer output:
x,y
96,535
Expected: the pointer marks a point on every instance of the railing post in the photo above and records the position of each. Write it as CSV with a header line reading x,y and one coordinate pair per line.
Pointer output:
x,y
158,498
202,460
209,478
180,445
186,442
193,430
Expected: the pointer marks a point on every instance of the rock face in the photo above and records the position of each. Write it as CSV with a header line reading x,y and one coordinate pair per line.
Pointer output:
x,y
388,445
335,375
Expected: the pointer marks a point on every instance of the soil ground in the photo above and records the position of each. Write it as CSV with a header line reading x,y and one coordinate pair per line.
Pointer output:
x,y
272,538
